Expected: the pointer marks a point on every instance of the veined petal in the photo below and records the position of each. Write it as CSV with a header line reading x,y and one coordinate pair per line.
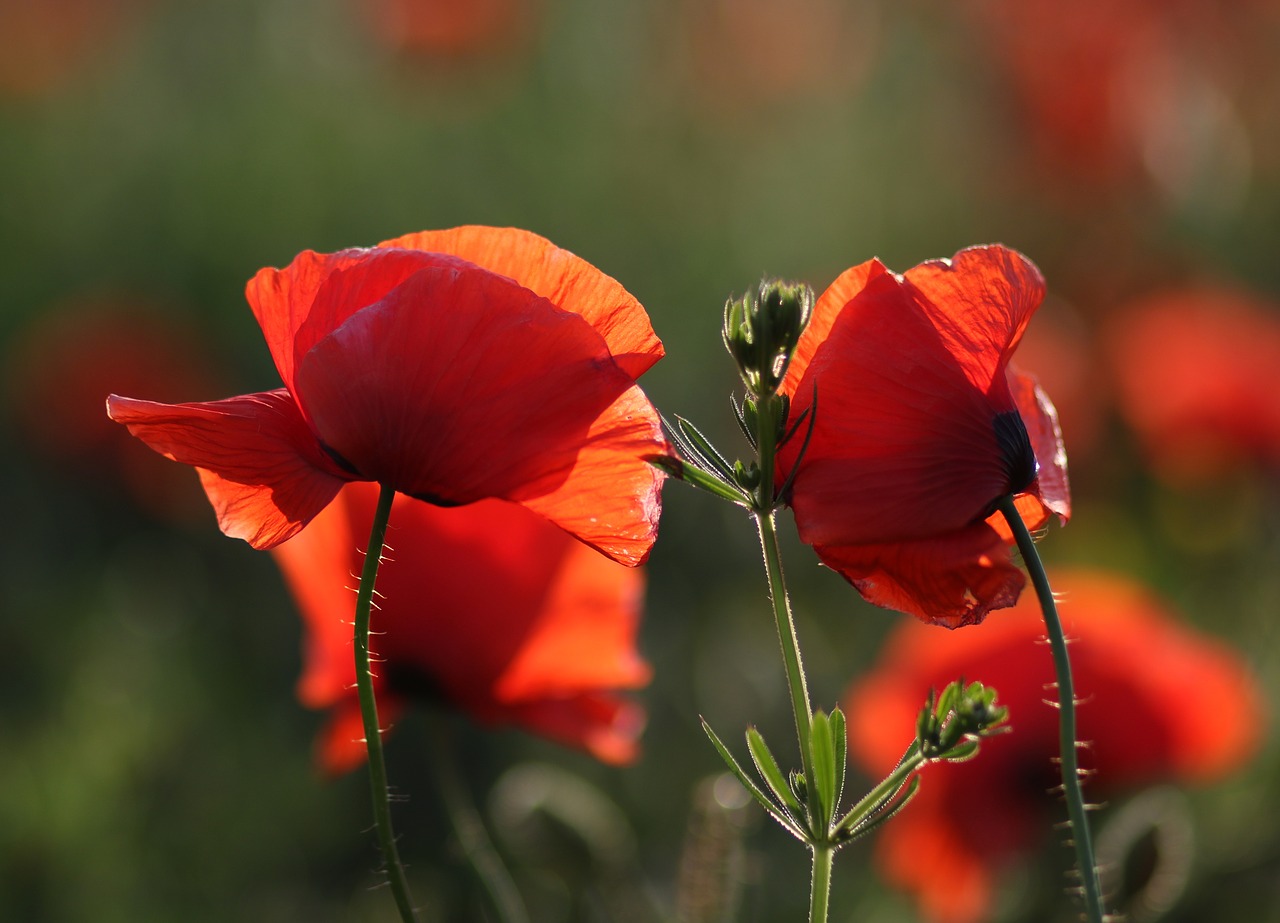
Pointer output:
x,y
611,498
950,580
262,468
903,446
1041,420
459,385
300,305
567,281
980,301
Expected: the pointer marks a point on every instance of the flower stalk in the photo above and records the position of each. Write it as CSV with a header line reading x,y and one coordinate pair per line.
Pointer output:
x,y
1069,762
369,708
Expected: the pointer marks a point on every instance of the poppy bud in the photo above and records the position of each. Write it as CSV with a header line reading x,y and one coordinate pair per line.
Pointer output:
x,y
761,329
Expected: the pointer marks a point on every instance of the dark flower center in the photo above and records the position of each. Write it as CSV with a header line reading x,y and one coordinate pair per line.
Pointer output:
x,y
1015,450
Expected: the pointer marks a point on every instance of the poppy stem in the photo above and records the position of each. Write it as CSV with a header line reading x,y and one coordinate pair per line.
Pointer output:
x,y
369,708
1070,766
472,836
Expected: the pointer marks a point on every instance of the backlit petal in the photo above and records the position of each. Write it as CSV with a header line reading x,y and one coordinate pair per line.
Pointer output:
x,y
262,468
904,446
949,580
1041,420
566,280
459,385
611,499
980,301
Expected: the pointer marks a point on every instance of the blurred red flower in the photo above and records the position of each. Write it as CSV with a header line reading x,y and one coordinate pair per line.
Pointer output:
x,y
921,427
452,28
73,352
1161,702
486,607
42,45
1195,376
453,366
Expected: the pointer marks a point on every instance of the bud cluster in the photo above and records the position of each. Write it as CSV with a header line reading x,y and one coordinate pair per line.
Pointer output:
x,y
950,725
761,330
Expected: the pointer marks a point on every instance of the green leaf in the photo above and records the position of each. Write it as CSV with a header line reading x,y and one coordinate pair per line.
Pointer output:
x,y
767,766
704,449
774,811
840,750
824,768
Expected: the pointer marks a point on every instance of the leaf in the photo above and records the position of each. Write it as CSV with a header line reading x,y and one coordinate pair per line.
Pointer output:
x,y
824,768
769,771
774,811
840,750
704,449
880,816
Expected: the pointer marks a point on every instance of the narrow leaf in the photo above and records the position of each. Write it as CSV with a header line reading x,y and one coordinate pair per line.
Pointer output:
x,y
709,452
774,811
769,771
824,767
878,819
713,485
840,750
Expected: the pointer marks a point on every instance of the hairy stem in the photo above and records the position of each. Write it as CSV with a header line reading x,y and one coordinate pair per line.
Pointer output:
x,y
369,709
1070,765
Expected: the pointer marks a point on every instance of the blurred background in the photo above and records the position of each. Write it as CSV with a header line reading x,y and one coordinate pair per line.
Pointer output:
x,y
154,763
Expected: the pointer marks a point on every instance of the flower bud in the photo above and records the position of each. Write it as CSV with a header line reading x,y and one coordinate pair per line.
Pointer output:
x,y
761,330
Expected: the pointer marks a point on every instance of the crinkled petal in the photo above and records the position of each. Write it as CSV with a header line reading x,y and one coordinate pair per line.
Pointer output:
x,y
980,301
951,580
300,305
904,446
567,281
261,467
611,499
460,385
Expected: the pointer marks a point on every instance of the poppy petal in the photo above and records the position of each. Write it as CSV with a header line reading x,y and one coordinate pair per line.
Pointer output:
x,y
428,389
1041,420
611,499
566,280
262,468
300,305
903,446
825,311
980,301
950,580
606,726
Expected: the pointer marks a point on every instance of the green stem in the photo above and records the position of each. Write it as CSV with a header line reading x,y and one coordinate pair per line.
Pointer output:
x,y
1066,713
472,836
820,889
369,708
790,644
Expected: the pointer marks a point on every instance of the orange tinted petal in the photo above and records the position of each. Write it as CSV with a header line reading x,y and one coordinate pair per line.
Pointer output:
x,y
567,281
611,499
340,747
1041,420
951,580
607,727
459,385
262,468
980,301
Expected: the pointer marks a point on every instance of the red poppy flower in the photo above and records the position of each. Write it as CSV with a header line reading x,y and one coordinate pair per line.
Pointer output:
x,y
452,27
1133,665
452,366
487,607
1195,373
921,427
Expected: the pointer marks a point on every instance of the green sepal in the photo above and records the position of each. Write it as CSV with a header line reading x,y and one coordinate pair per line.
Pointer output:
x,y
767,766
773,810
824,768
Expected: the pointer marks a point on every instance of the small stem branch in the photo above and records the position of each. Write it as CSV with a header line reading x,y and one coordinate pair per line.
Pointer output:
x,y
1066,713
472,835
369,709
